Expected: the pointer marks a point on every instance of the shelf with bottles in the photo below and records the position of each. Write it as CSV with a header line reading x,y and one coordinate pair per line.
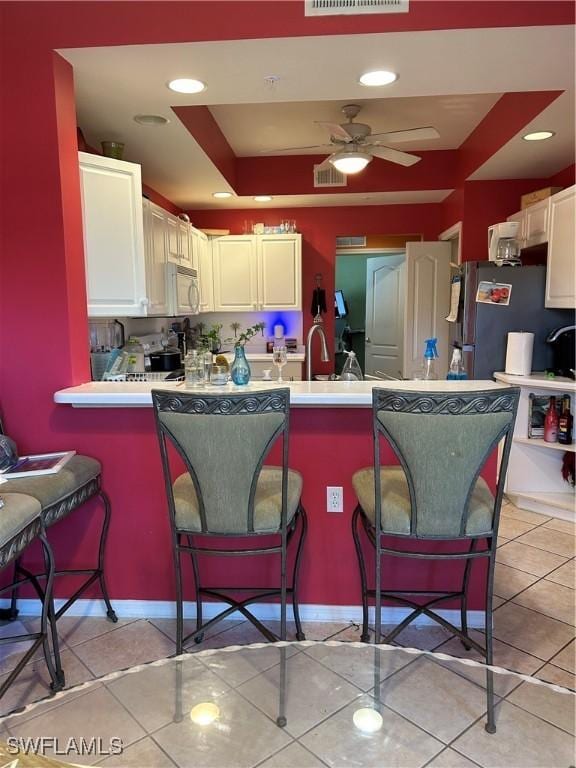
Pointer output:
x,y
538,442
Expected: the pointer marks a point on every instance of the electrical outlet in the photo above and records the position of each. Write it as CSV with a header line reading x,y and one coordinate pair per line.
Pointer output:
x,y
334,498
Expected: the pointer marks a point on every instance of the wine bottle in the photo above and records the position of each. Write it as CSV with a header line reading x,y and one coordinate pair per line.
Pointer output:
x,y
551,422
565,422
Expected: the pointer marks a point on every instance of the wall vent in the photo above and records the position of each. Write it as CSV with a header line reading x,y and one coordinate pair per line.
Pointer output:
x,y
329,177
351,241
353,7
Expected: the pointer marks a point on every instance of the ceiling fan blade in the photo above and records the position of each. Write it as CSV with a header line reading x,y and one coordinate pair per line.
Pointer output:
x,y
335,130
411,134
394,155
291,149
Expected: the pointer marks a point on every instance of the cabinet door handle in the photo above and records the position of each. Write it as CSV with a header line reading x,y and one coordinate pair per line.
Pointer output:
x,y
144,301
368,340
255,305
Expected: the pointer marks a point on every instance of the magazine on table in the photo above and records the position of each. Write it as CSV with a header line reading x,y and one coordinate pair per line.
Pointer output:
x,y
37,464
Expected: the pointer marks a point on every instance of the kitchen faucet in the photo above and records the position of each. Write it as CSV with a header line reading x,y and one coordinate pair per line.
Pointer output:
x,y
317,326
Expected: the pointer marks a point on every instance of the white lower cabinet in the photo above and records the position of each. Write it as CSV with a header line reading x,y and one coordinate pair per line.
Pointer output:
x,y
257,272
561,272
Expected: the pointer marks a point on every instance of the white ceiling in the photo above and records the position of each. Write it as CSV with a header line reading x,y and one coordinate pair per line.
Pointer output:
x,y
442,71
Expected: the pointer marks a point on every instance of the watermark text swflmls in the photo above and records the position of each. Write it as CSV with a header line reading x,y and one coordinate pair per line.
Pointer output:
x,y
41,745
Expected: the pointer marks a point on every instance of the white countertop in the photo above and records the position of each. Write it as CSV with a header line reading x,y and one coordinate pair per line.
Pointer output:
x,y
104,394
538,381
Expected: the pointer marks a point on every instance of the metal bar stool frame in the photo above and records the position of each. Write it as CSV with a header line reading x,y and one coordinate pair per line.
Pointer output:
x,y
34,530
454,404
190,542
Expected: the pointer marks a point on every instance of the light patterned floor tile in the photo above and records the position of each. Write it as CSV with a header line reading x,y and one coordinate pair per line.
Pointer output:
x,y
555,708
566,526
12,653
551,599
566,659
398,744
292,756
509,581
240,730
239,666
549,540
424,637
128,646
530,559
168,627
521,739
523,514
74,630
144,754
565,575
451,759
531,632
557,676
325,693
511,527
359,667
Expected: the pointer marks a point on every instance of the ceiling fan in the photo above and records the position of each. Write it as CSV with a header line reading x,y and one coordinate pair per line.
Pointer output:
x,y
353,150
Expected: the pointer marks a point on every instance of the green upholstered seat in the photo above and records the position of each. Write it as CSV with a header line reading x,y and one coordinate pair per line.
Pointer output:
x,y
267,502
396,507
18,512
50,490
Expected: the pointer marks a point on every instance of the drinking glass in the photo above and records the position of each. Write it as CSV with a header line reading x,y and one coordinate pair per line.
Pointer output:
x,y
279,358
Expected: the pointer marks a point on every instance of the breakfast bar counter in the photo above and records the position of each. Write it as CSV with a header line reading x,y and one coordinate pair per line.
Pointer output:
x,y
330,439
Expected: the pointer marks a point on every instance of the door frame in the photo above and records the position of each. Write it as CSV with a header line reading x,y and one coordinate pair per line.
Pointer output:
x,y
454,233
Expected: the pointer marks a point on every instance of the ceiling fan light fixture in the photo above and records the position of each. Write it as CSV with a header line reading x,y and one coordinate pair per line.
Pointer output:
x,y
377,77
350,162
221,195
262,198
538,136
187,85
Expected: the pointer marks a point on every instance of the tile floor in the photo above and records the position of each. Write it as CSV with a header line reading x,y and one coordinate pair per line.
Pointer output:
x,y
534,627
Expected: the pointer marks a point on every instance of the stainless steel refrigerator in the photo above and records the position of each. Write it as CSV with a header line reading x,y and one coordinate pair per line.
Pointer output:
x,y
482,328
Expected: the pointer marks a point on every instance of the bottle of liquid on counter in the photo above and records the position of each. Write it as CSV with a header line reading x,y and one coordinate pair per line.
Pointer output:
x,y
428,370
351,370
134,360
565,422
551,422
456,370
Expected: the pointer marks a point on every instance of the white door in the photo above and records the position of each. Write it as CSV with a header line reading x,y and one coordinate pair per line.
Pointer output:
x,y
113,237
561,271
205,276
427,302
155,225
384,315
279,271
235,274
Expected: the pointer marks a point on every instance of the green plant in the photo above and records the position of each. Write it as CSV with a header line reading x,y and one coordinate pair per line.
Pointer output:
x,y
249,333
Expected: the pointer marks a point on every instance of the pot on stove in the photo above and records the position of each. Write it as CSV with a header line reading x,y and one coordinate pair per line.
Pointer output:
x,y
167,360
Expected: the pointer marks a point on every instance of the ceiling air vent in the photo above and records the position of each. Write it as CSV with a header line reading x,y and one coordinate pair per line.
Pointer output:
x,y
353,7
329,177
351,241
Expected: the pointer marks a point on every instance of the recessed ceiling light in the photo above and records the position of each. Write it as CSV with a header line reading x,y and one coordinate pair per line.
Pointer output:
x,y
262,198
221,195
186,85
378,77
538,136
154,120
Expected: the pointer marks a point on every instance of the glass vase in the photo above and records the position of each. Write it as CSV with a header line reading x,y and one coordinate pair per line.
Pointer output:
x,y
240,370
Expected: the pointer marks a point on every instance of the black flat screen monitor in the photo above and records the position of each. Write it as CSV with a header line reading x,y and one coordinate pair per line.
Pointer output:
x,y
340,306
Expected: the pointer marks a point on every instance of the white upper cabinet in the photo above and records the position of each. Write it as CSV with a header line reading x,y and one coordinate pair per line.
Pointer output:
x,y
536,222
235,276
173,238
561,275
256,272
279,271
113,237
155,250
205,272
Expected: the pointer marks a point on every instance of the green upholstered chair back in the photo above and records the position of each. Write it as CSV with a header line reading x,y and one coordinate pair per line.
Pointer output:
x,y
223,440
442,440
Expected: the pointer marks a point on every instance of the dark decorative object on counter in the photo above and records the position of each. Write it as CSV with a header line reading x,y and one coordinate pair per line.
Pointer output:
x,y
318,296
568,469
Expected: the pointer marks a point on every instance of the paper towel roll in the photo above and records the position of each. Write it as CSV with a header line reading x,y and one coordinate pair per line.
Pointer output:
x,y
519,354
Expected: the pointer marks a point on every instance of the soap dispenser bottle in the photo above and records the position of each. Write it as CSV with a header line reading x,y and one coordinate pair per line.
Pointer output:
x,y
428,371
456,370
351,370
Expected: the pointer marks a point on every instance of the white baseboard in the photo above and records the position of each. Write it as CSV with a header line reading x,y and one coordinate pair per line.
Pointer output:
x,y
166,609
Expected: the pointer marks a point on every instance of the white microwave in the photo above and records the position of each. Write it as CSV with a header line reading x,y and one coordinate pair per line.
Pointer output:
x,y
182,289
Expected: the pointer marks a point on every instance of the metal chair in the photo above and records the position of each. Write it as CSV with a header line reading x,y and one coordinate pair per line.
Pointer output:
x,y
20,524
227,493
442,441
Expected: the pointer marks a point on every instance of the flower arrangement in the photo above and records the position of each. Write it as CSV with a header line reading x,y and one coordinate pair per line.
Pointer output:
x,y
248,334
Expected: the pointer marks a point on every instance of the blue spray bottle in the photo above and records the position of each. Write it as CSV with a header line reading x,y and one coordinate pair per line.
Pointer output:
x,y
430,355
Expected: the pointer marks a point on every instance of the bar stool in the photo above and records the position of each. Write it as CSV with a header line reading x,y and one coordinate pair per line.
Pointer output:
x,y
226,493
59,495
20,525
442,441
